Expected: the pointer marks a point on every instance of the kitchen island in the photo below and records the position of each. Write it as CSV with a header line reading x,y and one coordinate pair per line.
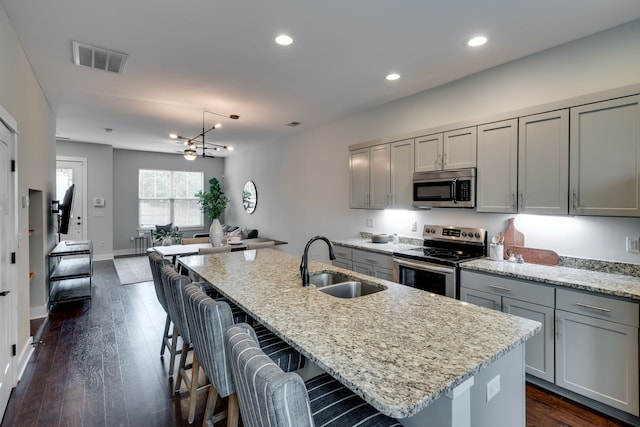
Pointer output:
x,y
413,355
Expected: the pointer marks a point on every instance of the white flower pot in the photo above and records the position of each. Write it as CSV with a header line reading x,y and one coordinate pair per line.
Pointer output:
x,y
215,233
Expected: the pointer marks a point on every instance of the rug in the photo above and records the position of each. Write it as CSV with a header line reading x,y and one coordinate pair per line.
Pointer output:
x,y
133,269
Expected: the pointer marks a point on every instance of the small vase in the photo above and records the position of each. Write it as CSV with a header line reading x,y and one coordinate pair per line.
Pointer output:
x,y
215,233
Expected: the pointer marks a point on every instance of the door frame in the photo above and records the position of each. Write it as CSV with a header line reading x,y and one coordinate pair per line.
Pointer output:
x,y
83,165
11,245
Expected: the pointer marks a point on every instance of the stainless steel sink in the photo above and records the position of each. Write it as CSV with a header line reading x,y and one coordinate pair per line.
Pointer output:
x,y
351,289
327,278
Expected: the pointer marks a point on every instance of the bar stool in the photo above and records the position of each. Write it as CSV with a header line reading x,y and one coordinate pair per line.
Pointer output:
x,y
270,397
208,320
156,262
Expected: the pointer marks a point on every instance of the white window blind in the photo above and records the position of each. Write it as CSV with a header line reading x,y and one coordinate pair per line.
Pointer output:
x,y
169,197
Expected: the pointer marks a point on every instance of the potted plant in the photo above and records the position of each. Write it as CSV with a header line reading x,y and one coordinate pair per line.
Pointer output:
x,y
213,203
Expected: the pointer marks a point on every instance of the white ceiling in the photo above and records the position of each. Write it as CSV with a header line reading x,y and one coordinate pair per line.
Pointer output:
x,y
193,55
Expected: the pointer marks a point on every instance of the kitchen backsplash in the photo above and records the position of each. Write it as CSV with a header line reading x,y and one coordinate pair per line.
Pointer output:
x,y
565,261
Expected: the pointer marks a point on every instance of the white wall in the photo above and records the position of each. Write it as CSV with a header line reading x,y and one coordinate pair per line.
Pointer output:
x,y
303,181
21,96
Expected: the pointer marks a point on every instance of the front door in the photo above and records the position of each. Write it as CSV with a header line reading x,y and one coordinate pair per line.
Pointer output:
x,y
73,172
6,287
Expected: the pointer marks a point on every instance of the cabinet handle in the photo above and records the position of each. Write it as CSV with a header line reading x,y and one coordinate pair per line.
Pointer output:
x,y
521,200
444,160
371,261
574,200
558,326
593,307
500,288
514,202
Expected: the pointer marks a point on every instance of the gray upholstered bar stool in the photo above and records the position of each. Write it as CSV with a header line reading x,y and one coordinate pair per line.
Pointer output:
x,y
156,261
270,397
173,284
208,320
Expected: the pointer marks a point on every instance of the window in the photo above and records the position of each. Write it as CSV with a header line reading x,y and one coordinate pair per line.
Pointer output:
x,y
169,196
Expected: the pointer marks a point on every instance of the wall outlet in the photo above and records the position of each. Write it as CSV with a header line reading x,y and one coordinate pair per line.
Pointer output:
x,y
414,226
493,387
371,223
132,238
633,244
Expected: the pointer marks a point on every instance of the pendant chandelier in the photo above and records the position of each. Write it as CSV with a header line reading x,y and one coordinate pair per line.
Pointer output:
x,y
198,142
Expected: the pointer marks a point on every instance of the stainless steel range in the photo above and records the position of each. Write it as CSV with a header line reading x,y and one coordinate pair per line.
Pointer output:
x,y
434,267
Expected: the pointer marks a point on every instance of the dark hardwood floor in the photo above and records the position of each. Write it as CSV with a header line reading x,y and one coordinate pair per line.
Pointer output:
x,y
98,364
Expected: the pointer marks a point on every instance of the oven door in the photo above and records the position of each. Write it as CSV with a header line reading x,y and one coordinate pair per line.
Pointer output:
x,y
438,279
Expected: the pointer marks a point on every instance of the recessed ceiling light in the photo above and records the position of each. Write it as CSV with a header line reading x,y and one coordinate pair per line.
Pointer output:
x,y
477,41
284,40
393,76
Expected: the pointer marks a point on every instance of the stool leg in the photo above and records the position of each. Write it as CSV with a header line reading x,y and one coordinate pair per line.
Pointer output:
x,y
167,325
212,398
174,346
193,391
181,365
234,411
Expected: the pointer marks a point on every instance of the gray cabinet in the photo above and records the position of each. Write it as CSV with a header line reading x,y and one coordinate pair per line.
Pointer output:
x,y
543,163
449,150
361,261
343,257
521,298
597,348
381,176
497,177
359,178
605,158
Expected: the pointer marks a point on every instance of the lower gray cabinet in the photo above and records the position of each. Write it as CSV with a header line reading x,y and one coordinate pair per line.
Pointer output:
x,y
539,349
370,263
597,348
524,299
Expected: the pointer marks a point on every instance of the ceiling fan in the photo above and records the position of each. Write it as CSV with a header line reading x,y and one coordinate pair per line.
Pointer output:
x,y
191,152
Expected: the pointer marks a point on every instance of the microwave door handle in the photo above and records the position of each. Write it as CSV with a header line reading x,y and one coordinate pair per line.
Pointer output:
x,y
454,191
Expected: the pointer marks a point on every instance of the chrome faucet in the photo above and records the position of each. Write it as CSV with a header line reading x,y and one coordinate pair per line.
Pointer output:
x,y
304,264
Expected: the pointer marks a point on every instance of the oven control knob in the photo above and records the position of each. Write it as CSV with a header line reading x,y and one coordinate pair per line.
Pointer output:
x,y
477,235
464,234
427,231
433,231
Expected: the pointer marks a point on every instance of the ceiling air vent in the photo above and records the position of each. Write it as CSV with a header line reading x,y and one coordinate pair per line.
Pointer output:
x,y
98,58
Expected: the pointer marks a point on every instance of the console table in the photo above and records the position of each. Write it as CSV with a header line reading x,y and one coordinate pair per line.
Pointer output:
x,y
70,268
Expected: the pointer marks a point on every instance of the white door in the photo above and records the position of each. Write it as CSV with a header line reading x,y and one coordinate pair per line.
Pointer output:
x,y
69,172
6,307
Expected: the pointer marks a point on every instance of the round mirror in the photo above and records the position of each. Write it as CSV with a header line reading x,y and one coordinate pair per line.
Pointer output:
x,y
249,197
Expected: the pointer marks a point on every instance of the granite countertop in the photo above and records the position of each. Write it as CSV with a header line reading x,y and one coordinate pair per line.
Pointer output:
x,y
383,248
620,285
400,349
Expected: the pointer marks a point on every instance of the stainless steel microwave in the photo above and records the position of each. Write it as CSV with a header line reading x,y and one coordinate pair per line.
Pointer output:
x,y
445,189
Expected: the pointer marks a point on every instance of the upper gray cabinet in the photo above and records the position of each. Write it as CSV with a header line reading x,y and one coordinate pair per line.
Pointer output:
x,y
446,150
605,158
523,165
381,176
497,177
543,163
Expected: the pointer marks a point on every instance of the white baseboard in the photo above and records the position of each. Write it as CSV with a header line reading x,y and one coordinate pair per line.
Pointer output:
x,y
102,257
23,358
38,312
124,252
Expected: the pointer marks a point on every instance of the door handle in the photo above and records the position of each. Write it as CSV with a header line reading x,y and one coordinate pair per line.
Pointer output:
x,y
4,293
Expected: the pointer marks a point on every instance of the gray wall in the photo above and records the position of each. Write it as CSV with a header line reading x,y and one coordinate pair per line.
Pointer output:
x,y
99,184
21,96
126,164
303,181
